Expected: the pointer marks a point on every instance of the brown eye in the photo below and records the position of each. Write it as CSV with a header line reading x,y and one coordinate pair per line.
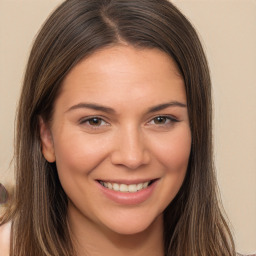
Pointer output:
x,y
163,121
95,121
160,120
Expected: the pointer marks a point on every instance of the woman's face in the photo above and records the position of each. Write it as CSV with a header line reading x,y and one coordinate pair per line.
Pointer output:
x,y
120,137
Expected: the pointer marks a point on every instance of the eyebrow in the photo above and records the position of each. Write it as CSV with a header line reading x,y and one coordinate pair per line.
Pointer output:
x,y
93,106
109,110
166,105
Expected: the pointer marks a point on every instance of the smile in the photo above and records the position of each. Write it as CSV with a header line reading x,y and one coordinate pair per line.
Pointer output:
x,y
128,192
131,188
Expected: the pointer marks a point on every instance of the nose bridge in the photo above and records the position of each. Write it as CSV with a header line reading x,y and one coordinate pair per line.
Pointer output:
x,y
130,148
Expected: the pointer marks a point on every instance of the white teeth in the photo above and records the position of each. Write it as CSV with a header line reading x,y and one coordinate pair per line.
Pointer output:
x,y
139,186
109,185
132,188
123,188
145,184
116,187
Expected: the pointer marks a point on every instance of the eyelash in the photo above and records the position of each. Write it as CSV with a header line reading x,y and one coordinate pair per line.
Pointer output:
x,y
87,120
169,119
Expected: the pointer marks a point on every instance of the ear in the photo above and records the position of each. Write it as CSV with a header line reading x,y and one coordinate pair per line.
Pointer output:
x,y
46,141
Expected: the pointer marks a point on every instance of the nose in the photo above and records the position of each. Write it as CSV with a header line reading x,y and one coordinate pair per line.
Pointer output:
x,y
130,149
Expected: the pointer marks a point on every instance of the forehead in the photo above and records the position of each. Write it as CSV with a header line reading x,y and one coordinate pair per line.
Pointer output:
x,y
114,73
123,59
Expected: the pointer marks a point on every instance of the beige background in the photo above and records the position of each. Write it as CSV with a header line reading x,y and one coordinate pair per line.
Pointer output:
x,y
228,32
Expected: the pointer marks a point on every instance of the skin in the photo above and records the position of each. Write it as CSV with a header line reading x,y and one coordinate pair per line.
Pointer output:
x,y
5,231
127,143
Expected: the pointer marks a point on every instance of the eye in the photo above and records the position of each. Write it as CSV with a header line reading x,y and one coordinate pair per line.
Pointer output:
x,y
94,122
162,120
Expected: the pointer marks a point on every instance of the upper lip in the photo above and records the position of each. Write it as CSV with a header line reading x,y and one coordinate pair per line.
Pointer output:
x,y
128,182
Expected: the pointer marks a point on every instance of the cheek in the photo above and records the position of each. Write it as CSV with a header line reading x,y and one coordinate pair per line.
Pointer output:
x,y
78,154
173,154
173,150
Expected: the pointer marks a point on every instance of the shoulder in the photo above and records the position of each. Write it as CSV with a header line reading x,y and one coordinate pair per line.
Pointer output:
x,y
5,231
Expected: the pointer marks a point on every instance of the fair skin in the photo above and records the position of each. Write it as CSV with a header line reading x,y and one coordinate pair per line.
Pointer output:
x,y
121,118
5,232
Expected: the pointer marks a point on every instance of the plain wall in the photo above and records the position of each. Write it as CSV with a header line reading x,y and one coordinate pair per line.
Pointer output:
x,y
228,33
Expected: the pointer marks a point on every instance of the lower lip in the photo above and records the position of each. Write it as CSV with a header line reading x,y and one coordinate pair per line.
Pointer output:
x,y
127,198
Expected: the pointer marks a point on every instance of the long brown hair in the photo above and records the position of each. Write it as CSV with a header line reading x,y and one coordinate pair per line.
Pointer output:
x,y
193,222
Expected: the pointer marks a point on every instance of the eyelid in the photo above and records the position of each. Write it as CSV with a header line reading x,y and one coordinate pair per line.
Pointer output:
x,y
171,118
88,118
82,121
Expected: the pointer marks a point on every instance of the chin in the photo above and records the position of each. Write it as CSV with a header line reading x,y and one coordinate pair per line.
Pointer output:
x,y
135,225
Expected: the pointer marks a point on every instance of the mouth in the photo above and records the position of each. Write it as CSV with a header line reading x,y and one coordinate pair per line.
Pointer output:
x,y
126,188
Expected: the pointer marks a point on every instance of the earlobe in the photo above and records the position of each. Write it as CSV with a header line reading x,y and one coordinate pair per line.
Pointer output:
x,y
46,141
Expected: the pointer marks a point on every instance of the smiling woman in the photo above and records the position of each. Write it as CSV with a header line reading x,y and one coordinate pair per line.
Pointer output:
x,y
120,132
114,145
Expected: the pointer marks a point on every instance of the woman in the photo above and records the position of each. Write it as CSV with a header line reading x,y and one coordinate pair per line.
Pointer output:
x,y
113,143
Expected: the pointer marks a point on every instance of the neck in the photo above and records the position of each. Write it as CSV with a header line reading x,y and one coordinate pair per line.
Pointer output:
x,y
90,240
